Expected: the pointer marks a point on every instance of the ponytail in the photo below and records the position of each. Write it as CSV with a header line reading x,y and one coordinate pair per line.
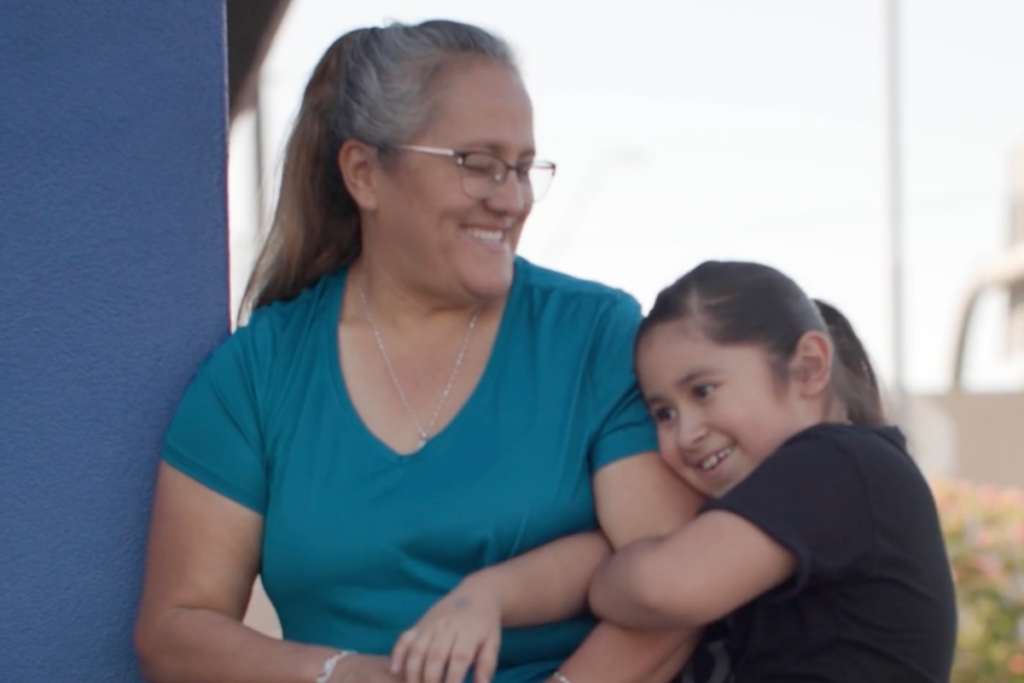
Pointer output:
x,y
855,381
316,223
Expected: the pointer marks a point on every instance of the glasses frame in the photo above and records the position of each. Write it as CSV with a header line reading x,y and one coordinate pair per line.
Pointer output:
x,y
496,181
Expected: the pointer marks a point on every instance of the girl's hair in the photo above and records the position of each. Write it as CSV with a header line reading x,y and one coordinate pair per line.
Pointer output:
x,y
734,302
375,85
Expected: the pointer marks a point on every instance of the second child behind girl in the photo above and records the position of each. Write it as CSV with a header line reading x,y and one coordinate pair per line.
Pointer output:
x,y
820,545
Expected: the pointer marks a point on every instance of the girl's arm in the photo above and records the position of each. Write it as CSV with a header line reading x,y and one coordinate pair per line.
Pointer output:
x,y
693,577
637,498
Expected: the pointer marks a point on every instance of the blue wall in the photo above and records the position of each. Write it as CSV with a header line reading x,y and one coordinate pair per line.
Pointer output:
x,y
113,285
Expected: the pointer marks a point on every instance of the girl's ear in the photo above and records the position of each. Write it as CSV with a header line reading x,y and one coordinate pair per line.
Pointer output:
x,y
358,167
811,366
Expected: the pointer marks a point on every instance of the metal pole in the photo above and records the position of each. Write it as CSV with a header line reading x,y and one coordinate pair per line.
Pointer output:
x,y
895,207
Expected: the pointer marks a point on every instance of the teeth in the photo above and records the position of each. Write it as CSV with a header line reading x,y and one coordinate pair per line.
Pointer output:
x,y
713,460
486,235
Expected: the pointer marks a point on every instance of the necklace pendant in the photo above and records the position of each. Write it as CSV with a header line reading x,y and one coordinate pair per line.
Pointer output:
x,y
424,433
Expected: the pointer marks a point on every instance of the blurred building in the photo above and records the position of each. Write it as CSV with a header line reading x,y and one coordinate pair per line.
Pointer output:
x,y
980,435
1016,287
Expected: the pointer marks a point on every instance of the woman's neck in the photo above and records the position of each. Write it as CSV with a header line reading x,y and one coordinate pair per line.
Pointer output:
x,y
406,306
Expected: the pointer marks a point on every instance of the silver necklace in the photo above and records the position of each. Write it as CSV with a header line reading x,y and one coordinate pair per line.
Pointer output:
x,y
424,432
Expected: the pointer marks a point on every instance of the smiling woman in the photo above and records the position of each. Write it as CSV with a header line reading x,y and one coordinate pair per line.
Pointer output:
x,y
447,232
419,438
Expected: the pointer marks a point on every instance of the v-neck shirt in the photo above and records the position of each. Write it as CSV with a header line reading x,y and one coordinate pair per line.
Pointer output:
x,y
359,541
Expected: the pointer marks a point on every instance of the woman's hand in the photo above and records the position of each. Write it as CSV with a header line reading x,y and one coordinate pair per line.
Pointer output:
x,y
460,631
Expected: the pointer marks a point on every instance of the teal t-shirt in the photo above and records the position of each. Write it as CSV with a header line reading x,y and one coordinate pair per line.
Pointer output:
x,y
359,541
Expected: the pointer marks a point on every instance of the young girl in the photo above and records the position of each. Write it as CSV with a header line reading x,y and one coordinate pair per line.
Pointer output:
x,y
820,541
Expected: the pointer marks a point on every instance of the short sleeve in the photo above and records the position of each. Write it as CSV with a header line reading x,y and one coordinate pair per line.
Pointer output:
x,y
215,434
810,497
623,425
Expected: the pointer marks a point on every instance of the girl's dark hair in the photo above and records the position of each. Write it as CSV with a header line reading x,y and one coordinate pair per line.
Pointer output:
x,y
734,302
375,85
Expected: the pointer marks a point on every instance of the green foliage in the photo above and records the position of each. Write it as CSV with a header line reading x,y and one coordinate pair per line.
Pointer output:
x,y
984,531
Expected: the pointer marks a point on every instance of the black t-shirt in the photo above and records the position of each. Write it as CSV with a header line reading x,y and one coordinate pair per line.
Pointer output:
x,y
873,597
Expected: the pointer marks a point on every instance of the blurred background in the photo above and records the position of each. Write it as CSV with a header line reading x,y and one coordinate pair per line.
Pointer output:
x,y
874,151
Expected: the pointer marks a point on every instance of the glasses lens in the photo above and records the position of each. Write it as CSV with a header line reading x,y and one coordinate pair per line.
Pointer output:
x,y
481,175
541,175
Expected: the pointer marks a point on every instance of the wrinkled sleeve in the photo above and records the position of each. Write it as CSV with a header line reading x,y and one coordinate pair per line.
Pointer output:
x,y
214,436
623,426
811,499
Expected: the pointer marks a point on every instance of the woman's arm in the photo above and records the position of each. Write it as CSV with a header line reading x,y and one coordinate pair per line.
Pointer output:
x,y
203,557
463,630
614,654
702,572
636,497
547,584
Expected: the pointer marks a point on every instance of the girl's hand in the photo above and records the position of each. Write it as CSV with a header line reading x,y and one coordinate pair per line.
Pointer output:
x,y
460,631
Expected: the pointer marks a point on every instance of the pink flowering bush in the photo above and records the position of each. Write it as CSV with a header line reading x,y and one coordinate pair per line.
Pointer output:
x,y
984,531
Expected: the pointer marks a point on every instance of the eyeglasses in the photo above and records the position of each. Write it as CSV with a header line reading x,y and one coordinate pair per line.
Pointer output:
x,y
483,173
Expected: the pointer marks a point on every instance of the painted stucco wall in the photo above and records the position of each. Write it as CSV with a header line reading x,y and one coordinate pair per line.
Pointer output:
x,y
113,285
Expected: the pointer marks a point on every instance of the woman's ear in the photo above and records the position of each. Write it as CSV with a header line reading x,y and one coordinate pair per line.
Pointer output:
x,y
358,166
811,366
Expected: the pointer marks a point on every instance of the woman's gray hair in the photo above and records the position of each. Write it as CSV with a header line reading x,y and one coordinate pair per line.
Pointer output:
x,y
393,73
377,86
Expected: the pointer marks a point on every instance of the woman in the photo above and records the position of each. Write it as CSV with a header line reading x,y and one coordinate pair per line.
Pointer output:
x,y
411,409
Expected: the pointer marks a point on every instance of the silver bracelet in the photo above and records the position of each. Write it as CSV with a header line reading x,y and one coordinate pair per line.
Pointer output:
x,y
331,664
560,677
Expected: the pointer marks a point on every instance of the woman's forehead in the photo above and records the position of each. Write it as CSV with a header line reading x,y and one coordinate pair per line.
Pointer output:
x,y
483,106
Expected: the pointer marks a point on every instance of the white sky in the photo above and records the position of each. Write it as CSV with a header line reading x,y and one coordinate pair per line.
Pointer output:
x,y
741,129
